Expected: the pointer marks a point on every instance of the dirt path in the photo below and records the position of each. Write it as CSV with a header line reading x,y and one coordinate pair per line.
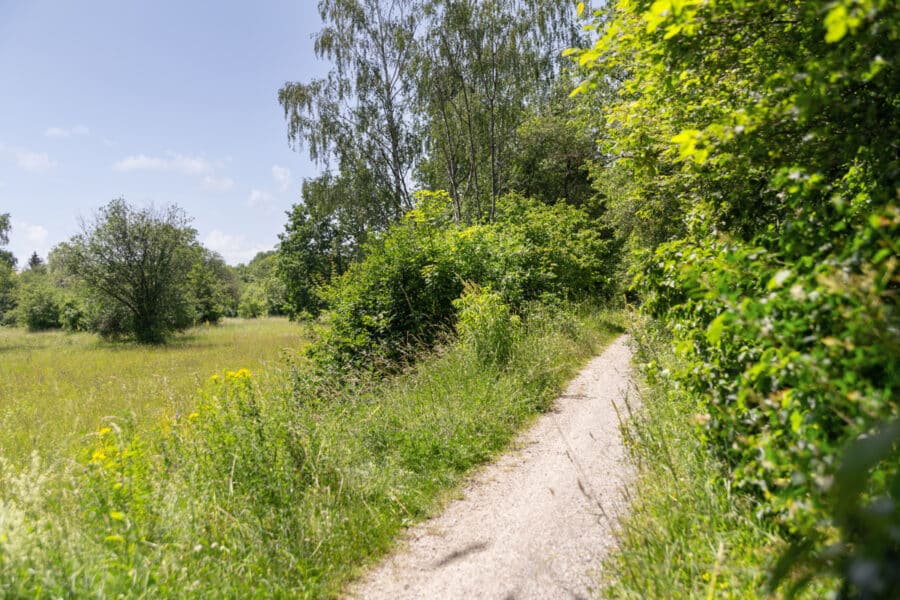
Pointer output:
x,y
538,521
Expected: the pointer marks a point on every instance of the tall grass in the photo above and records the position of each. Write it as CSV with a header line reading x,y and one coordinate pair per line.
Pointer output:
x,y
688,534
55,387
259,491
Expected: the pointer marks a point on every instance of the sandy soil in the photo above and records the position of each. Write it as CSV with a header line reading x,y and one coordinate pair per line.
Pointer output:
x,y
537,522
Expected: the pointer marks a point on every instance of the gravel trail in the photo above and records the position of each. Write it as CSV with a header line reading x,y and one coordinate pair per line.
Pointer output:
x,y
537,522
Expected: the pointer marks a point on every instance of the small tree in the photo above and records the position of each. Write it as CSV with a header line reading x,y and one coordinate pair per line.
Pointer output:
x,y
38,306
137,262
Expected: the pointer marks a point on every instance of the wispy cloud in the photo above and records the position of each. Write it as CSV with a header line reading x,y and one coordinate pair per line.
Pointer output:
x,y
261,200
211,183
62,132
172,162
282,177
233,248
26,159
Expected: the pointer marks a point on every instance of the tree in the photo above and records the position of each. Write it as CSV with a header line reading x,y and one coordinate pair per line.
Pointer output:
x,y
253,302
479,66
137,261
552,158
7,292
36,263
309,255
6,257
38,304
359,115
212,287
7,273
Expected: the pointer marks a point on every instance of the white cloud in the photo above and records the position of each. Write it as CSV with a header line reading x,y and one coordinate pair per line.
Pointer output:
x,y
35,234
62,132
28,160
34,161
282,177
26,238
260,200
233,248
212,183
187,165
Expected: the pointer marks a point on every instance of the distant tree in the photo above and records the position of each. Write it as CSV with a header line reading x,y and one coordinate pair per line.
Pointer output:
x,y
7,292
6,257
553,159
137,262
36,263
253,302
479,65
7,273
212,287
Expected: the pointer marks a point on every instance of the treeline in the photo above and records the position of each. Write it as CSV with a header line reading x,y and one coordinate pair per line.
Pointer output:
x,y
136,273
754,148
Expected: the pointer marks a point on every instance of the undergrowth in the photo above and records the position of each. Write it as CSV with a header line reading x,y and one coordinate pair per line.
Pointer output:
x,y
274,493
690,533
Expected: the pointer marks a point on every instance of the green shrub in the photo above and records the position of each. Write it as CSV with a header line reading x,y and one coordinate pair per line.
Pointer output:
x,y
8,284
254,303
401,296
793,364
756,145
72,313
38,306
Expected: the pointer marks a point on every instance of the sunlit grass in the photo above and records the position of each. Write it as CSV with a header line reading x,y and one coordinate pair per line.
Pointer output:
x,y
55,387
267,488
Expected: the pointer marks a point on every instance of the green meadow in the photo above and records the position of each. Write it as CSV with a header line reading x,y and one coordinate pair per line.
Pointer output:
x,y
56,387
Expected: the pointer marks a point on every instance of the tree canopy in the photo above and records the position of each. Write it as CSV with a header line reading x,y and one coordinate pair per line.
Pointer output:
x,y
136,262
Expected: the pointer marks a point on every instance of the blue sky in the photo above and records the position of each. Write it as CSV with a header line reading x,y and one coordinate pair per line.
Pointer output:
x,y
158,102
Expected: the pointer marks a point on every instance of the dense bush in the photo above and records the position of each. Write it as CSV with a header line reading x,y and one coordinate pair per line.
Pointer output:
x,y
793,365
758,140
253,302
72,313
401,296
38,305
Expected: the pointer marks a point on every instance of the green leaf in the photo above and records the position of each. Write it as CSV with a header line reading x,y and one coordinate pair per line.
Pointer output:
x,y
837,24
715,329
796,421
